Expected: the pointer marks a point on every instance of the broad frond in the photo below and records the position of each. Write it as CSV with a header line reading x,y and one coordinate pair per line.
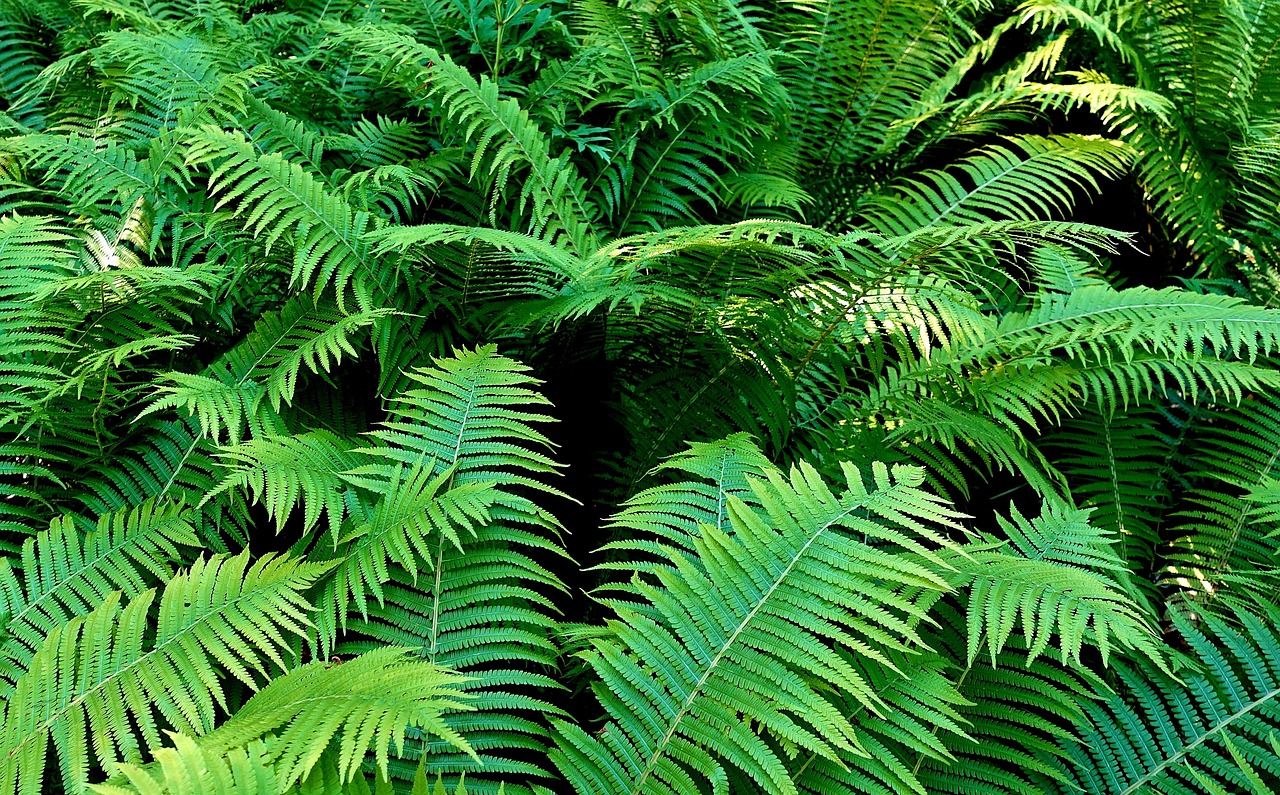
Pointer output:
x,y
745,627
450,458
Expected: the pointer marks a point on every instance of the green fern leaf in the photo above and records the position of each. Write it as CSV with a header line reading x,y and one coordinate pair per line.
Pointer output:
x,y
100,673
66,574
742,629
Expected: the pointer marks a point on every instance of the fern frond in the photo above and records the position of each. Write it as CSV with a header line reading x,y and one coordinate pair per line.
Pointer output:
x,y
369,700
266,364
448,459
1028,177
168,461
450,539
1058,577
1218,529
505,139
65,574
673,513
1121,466
1156,735
282,472
317,714
273,196
1017,716
126,663
744,627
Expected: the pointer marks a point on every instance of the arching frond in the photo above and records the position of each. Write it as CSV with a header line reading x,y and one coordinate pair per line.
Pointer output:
x,y
284,472
742,627
505,138
266,364
1025,178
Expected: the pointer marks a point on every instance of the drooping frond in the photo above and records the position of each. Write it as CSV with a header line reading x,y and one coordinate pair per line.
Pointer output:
x,y
1017,717
370,700
274,196
265,365
187,768
284,472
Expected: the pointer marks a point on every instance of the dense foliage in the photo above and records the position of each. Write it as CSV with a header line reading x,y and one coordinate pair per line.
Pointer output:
x,y
656,397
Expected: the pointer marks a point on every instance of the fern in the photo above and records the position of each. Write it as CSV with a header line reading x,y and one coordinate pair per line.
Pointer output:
x,y
504,137
65,575
266,364
317,714
481,598
1058,577
326,230
256,263
1155,735
1217,529
222,611
770,591
1027,178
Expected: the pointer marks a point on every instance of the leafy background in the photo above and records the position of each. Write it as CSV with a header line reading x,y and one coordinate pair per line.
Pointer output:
x,y
662,397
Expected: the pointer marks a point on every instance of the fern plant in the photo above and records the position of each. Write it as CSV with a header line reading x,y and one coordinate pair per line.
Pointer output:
x,y
887,466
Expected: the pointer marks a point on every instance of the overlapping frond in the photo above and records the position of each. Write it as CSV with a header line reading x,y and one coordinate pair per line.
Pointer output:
x,y
127,664
1222,524
505,139
454,541
1156,735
